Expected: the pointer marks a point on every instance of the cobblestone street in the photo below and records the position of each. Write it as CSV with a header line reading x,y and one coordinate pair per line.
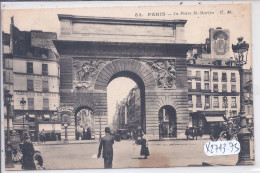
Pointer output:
x,y
127,154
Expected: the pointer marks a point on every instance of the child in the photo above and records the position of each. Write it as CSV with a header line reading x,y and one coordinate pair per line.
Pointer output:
x,y
38,160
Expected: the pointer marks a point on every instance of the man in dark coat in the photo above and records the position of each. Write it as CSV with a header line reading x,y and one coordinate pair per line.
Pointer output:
x,y
28,153
107,144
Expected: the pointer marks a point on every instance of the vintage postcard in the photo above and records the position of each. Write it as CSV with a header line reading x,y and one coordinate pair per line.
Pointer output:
x,y
127,87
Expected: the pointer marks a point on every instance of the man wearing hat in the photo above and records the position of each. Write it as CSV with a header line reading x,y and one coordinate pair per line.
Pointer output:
x,y
107,143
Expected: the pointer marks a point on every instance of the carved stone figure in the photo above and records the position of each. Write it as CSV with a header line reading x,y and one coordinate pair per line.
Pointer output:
x,y
165,73
85,72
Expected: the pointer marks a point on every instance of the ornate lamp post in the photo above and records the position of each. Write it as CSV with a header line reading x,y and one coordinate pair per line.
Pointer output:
x,y
66,122
8,159
225,104
240,52
23,103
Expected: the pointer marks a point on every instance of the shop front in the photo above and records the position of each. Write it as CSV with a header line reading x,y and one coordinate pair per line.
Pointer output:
x,y
205,120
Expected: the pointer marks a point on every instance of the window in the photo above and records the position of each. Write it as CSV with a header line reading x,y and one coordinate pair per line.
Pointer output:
x,y
45,69
198,101
233,88
30,67
31,103
215,102
189,73
206,86
215,76
233,113
249,110
215,87
45,104
189,85
218,62
233,77
206,75
198,86
224,77
224,102
190,101
233,102
29,85
207,102
224,87
45,85
5,76
198,75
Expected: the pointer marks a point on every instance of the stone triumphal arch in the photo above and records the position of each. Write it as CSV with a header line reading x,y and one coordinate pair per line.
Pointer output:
x,y
94,51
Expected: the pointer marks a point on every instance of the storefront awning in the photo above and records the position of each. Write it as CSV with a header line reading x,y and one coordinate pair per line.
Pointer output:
x,y
46,116
20,127
214,118
249,116
31,116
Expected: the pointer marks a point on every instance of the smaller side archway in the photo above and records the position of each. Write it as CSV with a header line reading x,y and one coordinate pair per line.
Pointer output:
x,y
84,123
167,122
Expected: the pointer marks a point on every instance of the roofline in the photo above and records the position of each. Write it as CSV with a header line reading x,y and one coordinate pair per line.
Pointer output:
x,y
125,21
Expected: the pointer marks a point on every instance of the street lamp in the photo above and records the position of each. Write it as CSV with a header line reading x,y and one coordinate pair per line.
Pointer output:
x,y
8,159
240,53
225,104
23,103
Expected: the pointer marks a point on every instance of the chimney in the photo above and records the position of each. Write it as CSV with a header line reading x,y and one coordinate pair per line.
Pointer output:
x,y
11,36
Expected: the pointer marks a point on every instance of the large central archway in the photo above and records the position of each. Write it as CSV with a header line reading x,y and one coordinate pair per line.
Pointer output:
x,y
131,69
129,102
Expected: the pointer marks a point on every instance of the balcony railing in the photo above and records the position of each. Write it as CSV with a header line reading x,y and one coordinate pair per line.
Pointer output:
x,y
190,105
233,105
198,78
233,80
207,105
215,105
224,105
224,80
199,105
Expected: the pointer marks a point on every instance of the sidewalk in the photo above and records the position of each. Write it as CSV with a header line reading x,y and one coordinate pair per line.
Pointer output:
x,y
15,168
68,142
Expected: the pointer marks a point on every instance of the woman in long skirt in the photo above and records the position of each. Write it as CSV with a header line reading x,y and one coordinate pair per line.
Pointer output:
x,y
144,147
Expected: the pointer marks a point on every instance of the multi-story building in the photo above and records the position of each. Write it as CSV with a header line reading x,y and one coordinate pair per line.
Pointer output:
x,y
213,81
35,71
248,94
134,109
128,111
7,75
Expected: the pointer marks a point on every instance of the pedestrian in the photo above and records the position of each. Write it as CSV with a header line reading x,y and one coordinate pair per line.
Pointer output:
x,y
38,160
144,146
88,135
42,136
187,132
28,153
107,144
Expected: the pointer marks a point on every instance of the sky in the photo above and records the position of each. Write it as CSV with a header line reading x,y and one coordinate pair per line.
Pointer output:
x,y
196,28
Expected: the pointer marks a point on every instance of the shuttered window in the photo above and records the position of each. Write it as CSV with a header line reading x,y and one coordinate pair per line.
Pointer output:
x,y
31,103
46,104
45,85
29,85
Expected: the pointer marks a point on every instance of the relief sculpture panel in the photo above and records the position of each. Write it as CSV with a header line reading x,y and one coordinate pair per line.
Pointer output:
x,y
85,72
164,71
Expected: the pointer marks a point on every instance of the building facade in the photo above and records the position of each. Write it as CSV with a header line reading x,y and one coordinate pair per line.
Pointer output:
x,y
35,76
213,81
7,77
128,111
